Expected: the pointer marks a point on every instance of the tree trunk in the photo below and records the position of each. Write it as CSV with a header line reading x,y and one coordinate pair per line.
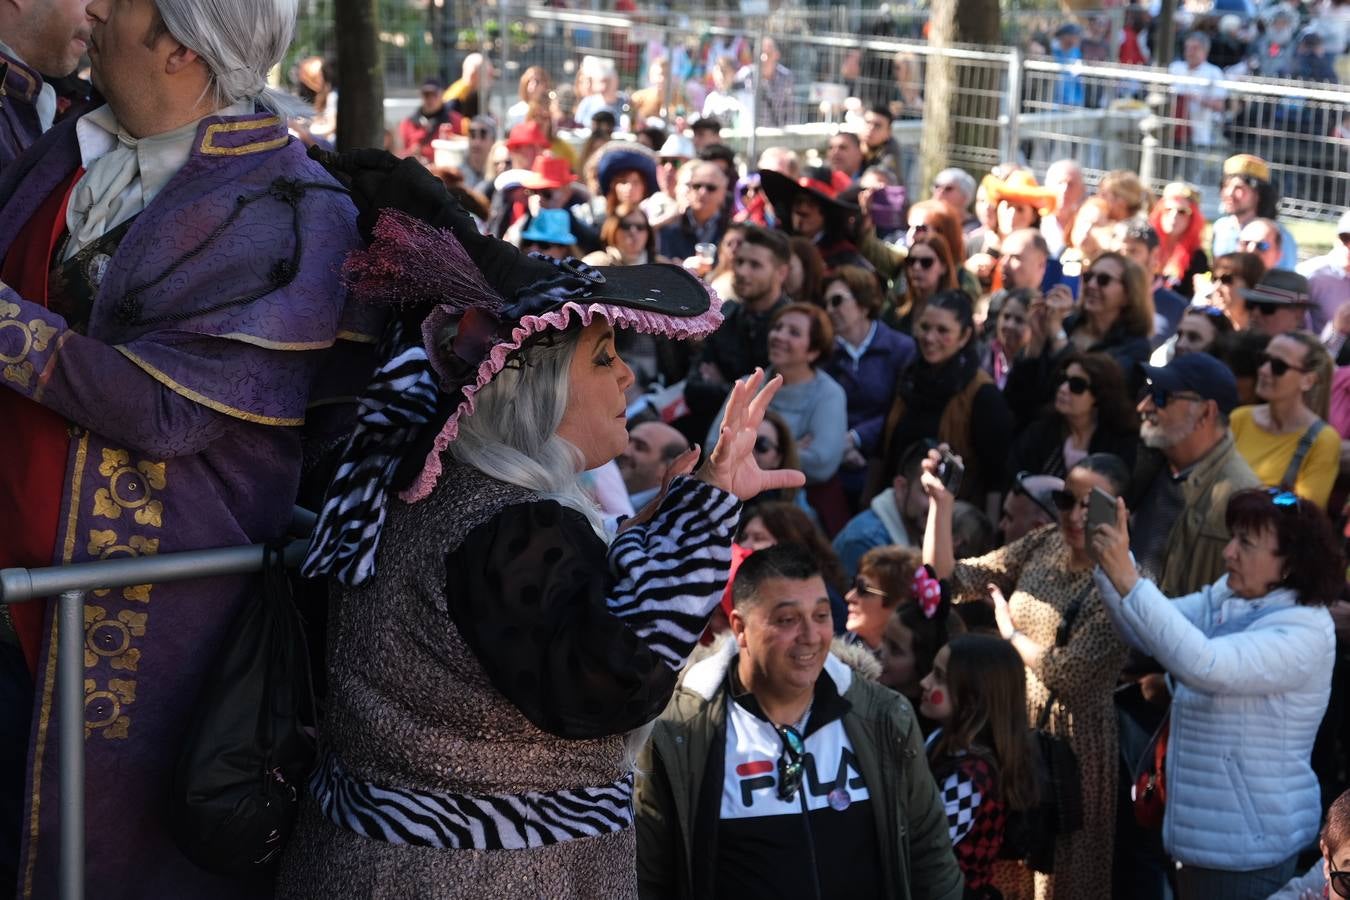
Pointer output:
x,y
938,85
360,121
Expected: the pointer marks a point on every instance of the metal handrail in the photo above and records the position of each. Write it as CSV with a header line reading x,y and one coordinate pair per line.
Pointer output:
x,y
70,584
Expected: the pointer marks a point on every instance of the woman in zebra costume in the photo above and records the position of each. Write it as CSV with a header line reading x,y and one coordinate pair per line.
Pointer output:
x,y
494,654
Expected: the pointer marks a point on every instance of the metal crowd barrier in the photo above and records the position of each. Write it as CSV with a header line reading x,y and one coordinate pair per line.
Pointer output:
x,y
70,584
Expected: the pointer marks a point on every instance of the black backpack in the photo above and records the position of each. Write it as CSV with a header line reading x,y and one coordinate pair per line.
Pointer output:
x,y
250,744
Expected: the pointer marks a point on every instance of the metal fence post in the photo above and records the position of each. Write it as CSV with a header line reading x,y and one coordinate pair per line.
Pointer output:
x,y
70,689
502,79
751,150
1014,109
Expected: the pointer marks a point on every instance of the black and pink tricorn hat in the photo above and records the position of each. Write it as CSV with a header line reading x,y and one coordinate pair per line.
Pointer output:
x,y
489,300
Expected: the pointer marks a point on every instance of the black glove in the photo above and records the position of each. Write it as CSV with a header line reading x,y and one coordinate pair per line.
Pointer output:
x,y
378,180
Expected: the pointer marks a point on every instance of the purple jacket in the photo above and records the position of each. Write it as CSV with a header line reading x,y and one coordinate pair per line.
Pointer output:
x,y
19,126
870,383
184,395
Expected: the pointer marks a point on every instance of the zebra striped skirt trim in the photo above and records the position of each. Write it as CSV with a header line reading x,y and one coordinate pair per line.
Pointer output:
x,y
470,821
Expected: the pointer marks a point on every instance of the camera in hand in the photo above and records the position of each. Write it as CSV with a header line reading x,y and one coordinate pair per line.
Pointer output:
x,y
950,470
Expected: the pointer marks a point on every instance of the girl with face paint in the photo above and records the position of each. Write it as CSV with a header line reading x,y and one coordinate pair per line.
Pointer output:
x,y
977,691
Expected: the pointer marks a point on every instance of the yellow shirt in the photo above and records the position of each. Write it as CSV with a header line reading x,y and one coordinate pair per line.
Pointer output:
x,y
1269,456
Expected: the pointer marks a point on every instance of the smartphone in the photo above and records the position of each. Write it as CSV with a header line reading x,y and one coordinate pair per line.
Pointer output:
x,y
1101,509
950,470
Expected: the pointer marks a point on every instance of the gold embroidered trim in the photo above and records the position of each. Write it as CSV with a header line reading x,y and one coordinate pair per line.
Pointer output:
x,y
356,337
49,678
202,399
275,345
208,146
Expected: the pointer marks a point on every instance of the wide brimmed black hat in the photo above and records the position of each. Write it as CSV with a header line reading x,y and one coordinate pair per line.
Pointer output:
x,y
823,184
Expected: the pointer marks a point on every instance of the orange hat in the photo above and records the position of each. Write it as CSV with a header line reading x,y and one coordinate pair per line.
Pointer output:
x,y
1021,188
548,171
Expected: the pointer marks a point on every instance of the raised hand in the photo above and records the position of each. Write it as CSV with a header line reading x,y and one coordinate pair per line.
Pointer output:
x,y
731,465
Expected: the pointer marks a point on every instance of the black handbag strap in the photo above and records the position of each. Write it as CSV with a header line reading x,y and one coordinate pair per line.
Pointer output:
x,y
1305,443
1061,639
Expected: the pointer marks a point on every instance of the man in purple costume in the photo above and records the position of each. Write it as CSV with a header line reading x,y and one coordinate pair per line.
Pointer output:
x,y
37,37
168,289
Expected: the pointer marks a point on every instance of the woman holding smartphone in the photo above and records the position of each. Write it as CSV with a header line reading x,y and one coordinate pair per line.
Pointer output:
x,y
1047,607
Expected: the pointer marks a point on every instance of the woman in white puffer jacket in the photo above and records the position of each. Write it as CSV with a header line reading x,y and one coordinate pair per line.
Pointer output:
x,y
1249,662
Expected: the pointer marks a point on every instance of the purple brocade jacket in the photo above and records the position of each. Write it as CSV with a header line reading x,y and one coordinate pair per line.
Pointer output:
x,y
19,126
184,394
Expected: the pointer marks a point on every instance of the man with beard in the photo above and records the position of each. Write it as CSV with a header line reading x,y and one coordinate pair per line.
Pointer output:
x,y
1182,488
37,37
741,342
1248,194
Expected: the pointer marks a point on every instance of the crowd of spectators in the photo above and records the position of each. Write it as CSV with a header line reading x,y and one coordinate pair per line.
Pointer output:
x,y
1061,340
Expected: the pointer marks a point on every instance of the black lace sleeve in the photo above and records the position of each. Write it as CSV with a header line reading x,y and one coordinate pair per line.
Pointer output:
x,y
559,624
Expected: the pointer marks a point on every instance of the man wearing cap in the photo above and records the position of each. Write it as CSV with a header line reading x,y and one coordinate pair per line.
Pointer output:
x,y
37,37
422,127
1138,240
1279,302
1329,278
1029,505
662,206
1247,193
1181,489
476,165
879,143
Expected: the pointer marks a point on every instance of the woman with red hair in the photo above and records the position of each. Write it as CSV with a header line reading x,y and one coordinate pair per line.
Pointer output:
x,y
1180,226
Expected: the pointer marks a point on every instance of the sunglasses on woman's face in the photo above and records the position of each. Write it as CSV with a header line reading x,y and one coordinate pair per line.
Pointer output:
x,y
1077,383
1226,278
764,445
1101,279
1278,366
1065,501
923,262
634,227
863,587
834,301
1339,880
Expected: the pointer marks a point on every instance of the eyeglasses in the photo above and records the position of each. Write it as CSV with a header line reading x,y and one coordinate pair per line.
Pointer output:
x,y
1225,278
703,186
1020,487
1258,246
764,445
791,763
837,300
1340,881
863,587
1102,279
1262,307
634,227
1077,383
923,262
1161,396
1278,366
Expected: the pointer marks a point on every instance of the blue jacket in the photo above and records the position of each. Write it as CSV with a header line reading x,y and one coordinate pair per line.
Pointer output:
x,y
1250,682
869,384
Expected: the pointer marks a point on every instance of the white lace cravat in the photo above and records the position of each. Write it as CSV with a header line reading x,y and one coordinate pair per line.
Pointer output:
x,y
102,192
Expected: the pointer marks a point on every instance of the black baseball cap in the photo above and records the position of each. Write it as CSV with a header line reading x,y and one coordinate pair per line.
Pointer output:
x,y
1200,374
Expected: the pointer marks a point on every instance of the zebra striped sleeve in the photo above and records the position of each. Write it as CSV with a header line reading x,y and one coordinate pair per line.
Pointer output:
x,y
670,572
